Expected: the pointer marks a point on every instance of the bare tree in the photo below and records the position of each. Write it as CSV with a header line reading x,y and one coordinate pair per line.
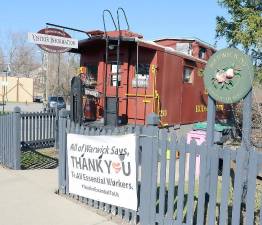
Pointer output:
x,y
52,73
22,55
61,69
2,60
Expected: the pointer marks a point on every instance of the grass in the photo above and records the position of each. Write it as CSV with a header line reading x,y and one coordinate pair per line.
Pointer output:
x,y
39,159
3,113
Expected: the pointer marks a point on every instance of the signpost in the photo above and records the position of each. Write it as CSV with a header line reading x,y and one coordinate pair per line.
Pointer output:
x,y
228,78
53,40
103,168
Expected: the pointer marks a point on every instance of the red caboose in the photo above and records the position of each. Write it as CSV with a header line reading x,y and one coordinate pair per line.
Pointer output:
x,y
128,78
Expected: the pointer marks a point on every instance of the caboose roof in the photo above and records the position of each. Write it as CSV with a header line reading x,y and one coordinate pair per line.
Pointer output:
x,y
189,39
97,40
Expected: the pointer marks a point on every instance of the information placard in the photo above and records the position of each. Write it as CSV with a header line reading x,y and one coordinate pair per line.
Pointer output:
x,y
103,168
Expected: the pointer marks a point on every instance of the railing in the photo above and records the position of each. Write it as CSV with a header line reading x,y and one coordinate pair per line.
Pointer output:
x,y
185,191
20,130
38,129
204,186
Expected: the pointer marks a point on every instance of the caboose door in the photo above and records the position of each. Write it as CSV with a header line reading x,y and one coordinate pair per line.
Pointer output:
x,y
141,93
116,87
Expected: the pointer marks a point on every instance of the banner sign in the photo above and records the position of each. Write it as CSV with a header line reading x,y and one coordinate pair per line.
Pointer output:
x,y
53,40
229,75
103,168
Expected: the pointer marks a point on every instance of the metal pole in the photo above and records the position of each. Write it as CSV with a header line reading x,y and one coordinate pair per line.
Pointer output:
x,y
105,83
68,77
68,28
117,74
137,54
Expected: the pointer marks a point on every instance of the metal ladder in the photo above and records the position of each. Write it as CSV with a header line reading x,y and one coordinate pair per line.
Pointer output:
x,y
111,43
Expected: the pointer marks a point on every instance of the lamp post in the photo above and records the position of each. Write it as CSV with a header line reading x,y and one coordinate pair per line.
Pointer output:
x,y
4,86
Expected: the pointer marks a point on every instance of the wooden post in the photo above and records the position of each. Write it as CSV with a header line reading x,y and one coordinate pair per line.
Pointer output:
x,y
246,138
17,138
63,115
211,114
148,174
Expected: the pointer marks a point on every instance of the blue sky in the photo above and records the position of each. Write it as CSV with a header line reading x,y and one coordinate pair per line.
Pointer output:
x,y
153,19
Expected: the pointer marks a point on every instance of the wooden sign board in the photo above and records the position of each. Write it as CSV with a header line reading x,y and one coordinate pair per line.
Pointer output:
x,y
53,40
229,75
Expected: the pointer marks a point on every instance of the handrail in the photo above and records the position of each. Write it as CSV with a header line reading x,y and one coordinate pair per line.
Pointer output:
x,y
110,14
118,21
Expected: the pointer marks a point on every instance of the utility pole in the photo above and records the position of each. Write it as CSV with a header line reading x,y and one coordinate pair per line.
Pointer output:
x,y
46,75
58,73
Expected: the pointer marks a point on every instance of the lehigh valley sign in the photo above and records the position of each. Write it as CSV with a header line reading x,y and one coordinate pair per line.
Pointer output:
x,y
53,40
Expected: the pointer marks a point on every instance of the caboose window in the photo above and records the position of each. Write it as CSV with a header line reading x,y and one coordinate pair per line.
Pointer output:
x,y
92,71
143,70
188,74
184,47
114,74
202,53
91,74
141,76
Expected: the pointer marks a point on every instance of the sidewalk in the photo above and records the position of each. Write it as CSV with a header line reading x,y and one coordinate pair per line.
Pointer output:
x,y
27,198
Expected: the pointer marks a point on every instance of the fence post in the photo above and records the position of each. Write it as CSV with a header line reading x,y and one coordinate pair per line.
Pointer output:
x,y
246,138
211,114
17,138
63,115
149,156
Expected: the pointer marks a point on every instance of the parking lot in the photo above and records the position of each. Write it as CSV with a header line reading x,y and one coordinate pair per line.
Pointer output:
x,y
25,107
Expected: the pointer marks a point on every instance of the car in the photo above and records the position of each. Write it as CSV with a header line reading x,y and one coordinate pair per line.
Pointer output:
x,y
38,99
56,102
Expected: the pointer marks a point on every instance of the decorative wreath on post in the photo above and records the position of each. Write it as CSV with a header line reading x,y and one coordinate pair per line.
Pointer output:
x,y
224,78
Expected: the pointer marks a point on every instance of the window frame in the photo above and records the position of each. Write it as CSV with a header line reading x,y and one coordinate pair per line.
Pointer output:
x,y
115,73
191,79
141,76
202,50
